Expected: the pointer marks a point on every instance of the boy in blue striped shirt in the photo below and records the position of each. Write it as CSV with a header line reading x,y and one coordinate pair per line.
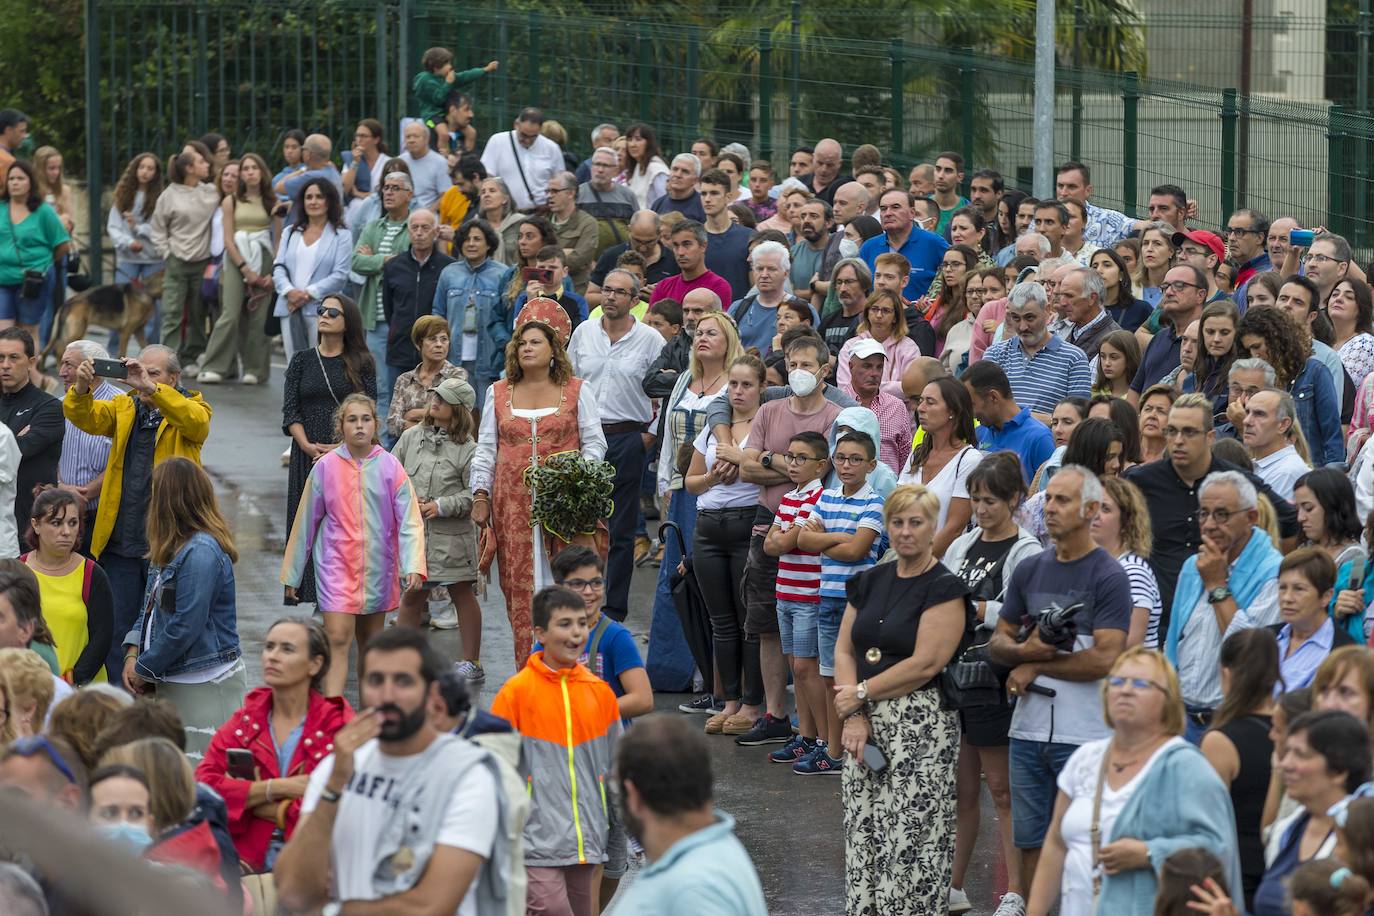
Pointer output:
x,y
845,528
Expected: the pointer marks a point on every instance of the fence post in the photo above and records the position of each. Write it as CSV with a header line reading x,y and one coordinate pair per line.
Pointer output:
x,y
1076,133
1230,113
1130,122
766,93
646,72
405,61
202,107
967,77
794,79
693,119
532,91
380,76
897,54
93,152
503,113
1337,191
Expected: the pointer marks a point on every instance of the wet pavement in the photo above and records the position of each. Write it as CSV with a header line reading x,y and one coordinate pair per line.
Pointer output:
x,y
792,826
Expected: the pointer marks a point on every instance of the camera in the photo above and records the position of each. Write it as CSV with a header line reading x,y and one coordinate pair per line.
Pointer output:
x,y
1057,626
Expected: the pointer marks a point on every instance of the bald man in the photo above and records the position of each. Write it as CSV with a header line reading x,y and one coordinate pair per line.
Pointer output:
x,y
428,168
644,241
315,153
825,178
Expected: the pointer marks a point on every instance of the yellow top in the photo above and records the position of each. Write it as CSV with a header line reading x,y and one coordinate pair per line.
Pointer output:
x,y
65,614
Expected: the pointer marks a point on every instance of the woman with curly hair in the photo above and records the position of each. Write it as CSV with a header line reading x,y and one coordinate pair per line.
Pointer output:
x,y
1271,334
135,196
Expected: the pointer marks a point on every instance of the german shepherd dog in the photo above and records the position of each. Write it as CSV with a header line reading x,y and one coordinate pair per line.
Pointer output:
x,y
125,307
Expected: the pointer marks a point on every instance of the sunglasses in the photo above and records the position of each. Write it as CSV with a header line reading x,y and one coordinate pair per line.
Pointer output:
x,y
330,312
28,747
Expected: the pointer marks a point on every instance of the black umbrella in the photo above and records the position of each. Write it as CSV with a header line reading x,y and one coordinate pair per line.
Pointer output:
x,y
691,610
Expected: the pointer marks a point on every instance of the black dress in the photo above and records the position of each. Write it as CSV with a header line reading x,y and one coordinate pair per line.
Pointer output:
x,y
315,387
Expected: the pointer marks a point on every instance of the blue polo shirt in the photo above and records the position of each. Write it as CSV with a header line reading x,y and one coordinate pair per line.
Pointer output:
x,y
923,249
1160,358
1030,439
1038,382
708,871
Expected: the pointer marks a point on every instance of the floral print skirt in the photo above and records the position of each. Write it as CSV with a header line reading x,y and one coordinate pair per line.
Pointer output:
x,y
899,825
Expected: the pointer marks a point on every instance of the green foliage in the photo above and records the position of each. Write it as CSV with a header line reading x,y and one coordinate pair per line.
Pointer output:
x,y
571,494
41,73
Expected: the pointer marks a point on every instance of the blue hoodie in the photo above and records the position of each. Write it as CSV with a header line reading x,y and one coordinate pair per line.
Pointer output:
x,y
862,420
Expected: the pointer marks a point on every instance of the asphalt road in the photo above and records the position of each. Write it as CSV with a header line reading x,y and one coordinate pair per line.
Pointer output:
x,y
792,826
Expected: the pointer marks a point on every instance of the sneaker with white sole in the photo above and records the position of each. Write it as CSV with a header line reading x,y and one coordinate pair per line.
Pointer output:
x,y
442,614
209,377
1011,905
249,379
705,705
958,901
470,670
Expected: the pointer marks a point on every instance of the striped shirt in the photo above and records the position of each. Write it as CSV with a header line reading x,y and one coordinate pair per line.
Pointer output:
x,y
1059,370
799,572
846,515
1144,593
84,456
894,427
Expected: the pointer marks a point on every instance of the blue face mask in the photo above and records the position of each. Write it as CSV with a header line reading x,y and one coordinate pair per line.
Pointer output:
x,y
132,837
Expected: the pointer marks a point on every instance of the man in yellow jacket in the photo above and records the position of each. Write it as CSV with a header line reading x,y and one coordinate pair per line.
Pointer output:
x,y
156,420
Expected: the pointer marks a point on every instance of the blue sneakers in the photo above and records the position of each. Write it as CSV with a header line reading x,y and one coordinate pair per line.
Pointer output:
x,y
793,750
818,763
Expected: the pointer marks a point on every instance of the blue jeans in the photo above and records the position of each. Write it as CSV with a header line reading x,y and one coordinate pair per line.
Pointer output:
x,y
14,307
669,659
376,345
1035,767
127,272
1192,728
128,577
828,632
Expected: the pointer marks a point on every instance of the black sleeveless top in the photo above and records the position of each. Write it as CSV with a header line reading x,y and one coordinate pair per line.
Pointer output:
x,y
1250,735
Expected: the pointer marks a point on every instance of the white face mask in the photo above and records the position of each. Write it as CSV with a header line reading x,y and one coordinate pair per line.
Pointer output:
x,y
849,248
802,382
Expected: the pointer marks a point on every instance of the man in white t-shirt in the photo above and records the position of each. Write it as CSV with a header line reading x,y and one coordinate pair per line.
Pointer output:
x,y
371,782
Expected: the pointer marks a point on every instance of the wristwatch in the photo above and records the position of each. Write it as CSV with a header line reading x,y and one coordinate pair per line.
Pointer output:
x,y
1218,595
766,459
330,796
862,691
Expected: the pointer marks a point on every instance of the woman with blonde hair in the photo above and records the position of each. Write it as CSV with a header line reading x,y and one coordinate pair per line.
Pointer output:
x,y
8,732
537,410
359,526
899,820
186,639
1156,257
1129,801
411,396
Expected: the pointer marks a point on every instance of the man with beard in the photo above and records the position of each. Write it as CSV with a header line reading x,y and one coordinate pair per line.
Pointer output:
x,y
696,865
399,818
813,235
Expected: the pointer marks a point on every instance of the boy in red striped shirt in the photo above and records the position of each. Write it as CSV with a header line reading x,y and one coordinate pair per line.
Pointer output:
x,y
798,591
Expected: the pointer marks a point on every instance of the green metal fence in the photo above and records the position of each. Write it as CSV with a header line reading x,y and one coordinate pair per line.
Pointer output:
x,y
168,69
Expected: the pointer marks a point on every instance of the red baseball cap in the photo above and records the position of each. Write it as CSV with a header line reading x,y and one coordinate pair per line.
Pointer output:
x,y
1202,237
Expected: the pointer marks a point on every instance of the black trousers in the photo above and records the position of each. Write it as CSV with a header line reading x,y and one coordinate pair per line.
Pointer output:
x,y
720,552
625,451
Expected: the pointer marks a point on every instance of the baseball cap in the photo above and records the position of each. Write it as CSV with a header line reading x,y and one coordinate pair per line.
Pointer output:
x,y
456,391
1202,237
865,347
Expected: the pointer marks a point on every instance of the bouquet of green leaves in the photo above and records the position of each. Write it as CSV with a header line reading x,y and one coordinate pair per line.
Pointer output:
x,y
571,494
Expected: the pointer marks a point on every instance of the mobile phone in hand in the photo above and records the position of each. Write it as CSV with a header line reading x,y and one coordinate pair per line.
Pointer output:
x,y
110,368
874,758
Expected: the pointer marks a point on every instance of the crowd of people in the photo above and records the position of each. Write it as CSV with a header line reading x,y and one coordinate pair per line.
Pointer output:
x,y
1011,491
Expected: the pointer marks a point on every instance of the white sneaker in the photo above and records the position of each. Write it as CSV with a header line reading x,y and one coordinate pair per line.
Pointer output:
x,y
192,371
209,377
248,378
1011,905
958,901
442,614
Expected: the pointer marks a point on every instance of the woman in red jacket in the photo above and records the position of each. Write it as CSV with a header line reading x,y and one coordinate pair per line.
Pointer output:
x,y
287,727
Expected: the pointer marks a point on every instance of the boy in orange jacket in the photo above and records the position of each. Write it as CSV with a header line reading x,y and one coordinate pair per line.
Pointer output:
x,y
568,721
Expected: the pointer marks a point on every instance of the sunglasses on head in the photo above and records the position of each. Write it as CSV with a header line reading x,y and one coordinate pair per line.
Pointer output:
x,y
330,312
28,747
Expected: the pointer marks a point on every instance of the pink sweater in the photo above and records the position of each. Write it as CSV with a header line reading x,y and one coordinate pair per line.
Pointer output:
x,y
995,311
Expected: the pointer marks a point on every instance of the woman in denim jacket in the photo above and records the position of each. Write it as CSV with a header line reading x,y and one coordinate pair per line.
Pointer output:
x,y
186,639
476,280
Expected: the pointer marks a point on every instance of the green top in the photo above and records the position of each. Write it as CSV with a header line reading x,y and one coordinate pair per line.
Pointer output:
x,y
48,654
29,244
385,238
947,215
431,90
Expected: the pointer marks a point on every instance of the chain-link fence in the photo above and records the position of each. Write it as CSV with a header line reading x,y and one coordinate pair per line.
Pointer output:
x,y
169,69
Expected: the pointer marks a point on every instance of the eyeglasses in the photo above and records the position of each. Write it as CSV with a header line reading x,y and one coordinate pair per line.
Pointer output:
x,y
438,339
614,291
1186,432
847,460
1322,259
881,310
28,747
1220,516
1178,286
1139,683
582,585
793,458
330,313
394,187
1233,230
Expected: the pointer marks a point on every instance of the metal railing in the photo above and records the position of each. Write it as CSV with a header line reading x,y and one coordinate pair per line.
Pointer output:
x,y
169,69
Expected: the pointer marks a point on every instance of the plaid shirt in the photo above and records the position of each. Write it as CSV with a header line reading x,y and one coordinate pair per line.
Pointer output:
x,y
894,426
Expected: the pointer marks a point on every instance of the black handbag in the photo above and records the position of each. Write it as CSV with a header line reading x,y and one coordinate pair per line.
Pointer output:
x,y
32,286
970,680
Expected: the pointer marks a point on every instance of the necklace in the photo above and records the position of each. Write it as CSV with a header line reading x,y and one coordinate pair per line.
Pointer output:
x,y
705,387
1122,767
41,567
